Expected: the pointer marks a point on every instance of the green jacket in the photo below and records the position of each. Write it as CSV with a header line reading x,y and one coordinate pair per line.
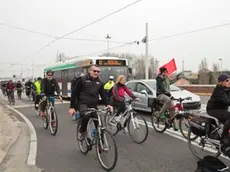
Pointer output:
x,y
163,84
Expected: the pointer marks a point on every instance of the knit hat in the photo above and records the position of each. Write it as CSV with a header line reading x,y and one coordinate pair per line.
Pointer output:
x,y
223,77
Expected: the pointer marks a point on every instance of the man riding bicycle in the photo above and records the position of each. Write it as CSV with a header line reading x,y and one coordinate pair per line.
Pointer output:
x,y
29,87
217,107
19,88
37,85
86,94
48,87
10,91
163,92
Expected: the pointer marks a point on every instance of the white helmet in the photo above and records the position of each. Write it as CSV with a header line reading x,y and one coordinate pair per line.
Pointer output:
x,y
111,77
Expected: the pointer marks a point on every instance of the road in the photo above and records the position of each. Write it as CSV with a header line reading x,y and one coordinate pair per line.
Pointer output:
x,y
60,153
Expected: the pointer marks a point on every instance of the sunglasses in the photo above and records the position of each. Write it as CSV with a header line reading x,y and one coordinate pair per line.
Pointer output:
x,y
227,80
96,71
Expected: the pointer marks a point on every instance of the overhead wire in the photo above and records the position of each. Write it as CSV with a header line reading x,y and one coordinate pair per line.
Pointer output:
x,y
89,24
189,32
52,36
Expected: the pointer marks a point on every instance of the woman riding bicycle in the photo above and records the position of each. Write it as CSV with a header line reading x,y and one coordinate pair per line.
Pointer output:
x,y
118,94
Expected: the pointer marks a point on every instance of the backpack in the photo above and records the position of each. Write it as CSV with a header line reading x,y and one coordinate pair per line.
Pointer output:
x,y
74,82
211,164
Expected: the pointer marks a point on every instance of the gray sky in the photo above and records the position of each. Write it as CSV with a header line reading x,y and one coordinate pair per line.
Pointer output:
x,y
165,17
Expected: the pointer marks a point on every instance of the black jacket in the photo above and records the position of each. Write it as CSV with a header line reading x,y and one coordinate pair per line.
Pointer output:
x,y
87,91
49,87
220,98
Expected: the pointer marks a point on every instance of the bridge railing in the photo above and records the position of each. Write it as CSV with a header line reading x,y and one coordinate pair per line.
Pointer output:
x,y
203,90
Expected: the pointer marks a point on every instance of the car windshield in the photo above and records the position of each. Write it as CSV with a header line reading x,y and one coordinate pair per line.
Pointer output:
x,y
152,84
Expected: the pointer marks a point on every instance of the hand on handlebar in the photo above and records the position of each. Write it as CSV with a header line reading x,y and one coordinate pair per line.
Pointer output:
x,y
110,107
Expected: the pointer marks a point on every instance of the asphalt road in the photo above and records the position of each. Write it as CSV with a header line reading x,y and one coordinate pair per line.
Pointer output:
x,y
60,153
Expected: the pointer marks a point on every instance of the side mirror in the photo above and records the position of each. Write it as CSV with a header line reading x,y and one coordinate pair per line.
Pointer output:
x,y
144,92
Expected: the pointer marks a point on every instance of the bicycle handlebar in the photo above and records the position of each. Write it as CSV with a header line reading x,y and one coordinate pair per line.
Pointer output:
x,y
91,110
181,99
129,101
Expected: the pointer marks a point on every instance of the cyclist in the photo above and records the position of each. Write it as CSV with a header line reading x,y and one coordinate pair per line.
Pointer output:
x,y
48,87
37,85
19,89
28,87
86,95
163,92
108,86
10,90
118,95
217,107
3,87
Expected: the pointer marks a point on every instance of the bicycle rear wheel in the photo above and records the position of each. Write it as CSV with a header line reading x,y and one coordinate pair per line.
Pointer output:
x,y
82,144
137,122
53,121
102,146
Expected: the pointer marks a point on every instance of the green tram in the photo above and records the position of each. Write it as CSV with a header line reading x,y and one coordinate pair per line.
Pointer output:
x,y
66,70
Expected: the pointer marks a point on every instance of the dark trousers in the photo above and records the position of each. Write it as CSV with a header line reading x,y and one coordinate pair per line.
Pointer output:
x,y
37,100
120,107
85,118
224,118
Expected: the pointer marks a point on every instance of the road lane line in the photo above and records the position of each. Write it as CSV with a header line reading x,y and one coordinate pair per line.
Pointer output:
x,y
31,160
179,136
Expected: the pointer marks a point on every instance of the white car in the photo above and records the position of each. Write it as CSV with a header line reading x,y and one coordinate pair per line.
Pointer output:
x,y
146,90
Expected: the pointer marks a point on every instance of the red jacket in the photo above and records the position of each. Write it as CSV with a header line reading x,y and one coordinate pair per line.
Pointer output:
x,y
10,86
119,93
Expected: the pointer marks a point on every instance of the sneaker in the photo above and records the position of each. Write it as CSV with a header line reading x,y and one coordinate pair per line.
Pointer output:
x,y
82,135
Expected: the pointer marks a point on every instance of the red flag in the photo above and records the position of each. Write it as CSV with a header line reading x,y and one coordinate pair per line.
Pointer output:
x,y
170,66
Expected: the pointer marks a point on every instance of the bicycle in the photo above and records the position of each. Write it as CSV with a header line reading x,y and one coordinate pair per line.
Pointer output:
x,y
98,138
126,119
181,114
10,96
209,130
19,93
50,119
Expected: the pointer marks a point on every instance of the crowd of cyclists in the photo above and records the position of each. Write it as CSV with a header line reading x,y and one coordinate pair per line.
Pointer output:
x,y
86,90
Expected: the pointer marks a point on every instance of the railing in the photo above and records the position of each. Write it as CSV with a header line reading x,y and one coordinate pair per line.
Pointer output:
x,y
204,90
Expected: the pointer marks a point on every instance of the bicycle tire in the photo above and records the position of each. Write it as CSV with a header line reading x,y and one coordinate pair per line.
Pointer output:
x,y
182,131
45,121
52,112
78,141
193,151
98,151
146,127
154,127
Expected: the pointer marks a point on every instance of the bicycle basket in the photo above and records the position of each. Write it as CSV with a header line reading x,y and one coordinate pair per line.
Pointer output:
x,y
51,99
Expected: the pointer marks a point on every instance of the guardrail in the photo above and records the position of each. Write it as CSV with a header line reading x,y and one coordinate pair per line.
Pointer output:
x,y
202,90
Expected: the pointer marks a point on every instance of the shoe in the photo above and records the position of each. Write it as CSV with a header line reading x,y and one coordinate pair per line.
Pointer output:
x,y
82,135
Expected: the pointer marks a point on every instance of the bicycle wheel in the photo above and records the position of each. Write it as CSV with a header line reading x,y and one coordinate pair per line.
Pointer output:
x,y
102,146
200,144
137,121
155,119
184,130
53,121
83,149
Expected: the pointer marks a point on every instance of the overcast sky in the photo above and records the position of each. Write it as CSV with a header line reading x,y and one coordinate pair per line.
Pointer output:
x,y
165,17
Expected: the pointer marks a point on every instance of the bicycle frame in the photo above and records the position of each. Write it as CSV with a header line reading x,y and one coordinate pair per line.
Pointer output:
x,y
98,130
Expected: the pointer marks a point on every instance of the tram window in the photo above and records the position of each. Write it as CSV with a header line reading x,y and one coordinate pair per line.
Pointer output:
x,y
71,73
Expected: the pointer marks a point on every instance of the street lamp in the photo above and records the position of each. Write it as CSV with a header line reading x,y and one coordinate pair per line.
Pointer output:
x,y
108,38
220,59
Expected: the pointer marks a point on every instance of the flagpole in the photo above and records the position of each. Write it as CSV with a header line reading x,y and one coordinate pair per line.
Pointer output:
x,y
146,54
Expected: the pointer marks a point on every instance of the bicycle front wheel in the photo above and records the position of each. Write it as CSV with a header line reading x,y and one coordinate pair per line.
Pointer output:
x,y
53,121
103,148
82,144
140,127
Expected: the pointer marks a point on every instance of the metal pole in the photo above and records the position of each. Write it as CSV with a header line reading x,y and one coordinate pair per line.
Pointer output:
x,y
146,54
220,59
182,65
107,37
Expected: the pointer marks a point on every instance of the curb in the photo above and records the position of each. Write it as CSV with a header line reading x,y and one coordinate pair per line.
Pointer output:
x,y
31,160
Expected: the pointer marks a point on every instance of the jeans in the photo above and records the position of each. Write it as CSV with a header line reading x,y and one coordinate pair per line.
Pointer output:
x,y
85,118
